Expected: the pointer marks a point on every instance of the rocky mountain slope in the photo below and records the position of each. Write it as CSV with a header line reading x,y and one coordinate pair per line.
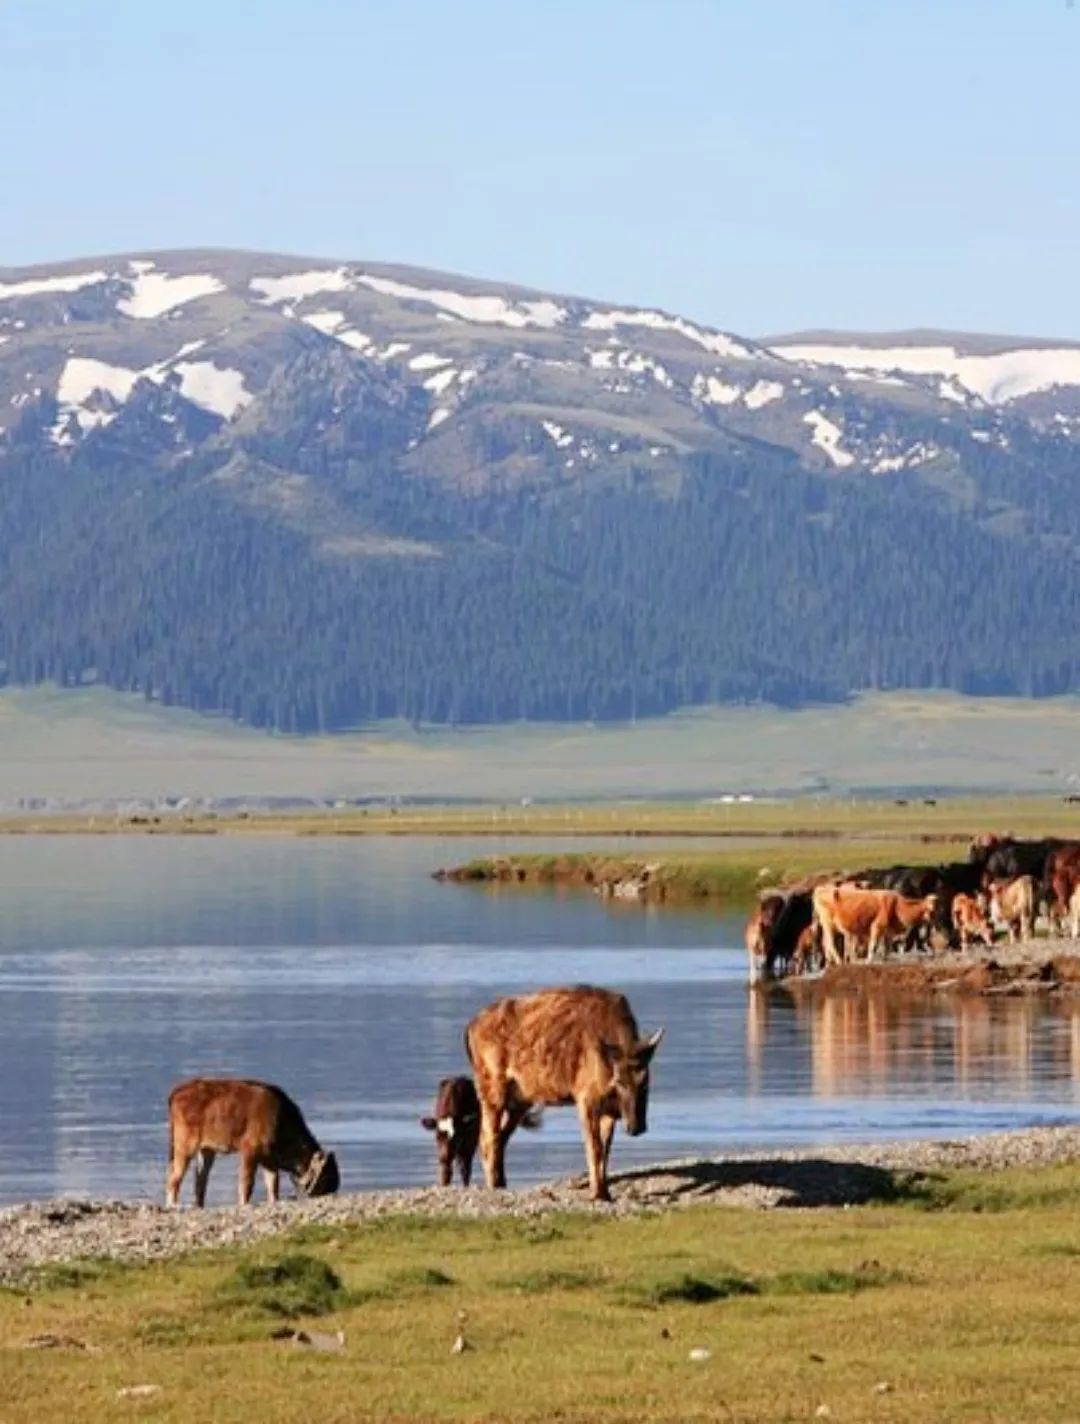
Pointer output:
x,y
309,492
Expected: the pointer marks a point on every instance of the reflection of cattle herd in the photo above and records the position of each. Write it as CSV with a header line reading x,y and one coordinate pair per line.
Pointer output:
x,y
1005,883
555,1047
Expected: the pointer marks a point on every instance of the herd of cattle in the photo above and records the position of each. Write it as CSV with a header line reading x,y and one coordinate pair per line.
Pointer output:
x,y
1005,884
558,1046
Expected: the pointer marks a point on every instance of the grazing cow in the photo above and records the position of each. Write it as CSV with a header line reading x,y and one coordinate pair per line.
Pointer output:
x,y
456,1125
969,922
559,1046
867,918
257,1120
1012,903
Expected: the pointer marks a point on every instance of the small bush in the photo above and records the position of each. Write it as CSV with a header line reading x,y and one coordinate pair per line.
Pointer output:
x,y
290,1286
686,1289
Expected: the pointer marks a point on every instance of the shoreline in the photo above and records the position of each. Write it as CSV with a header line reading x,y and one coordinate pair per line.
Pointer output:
x,y
37,1235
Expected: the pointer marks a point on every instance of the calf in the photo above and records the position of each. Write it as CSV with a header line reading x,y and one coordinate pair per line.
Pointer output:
x,y
257,1120
456,1125
555,1047
1012,903
969,922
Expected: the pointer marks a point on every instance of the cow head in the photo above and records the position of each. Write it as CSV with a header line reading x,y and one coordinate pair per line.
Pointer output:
x,y
320,1178
630,1080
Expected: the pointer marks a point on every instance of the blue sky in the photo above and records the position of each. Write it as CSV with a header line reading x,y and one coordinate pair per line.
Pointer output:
x,y
762,165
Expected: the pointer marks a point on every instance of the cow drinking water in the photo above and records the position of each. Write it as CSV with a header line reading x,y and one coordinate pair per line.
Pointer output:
x,y
257,1120
560,1046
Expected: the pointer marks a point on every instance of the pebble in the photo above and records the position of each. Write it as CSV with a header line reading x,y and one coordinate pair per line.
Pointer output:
x,y
699,1354
40,1233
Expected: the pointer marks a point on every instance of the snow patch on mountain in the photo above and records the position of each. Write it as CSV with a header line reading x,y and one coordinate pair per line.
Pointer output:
x,y
428,361
827,436
713,391
219,389
761,393
300,285
556,434
440,381
1002,377
40,286
327,321
484,310
79,392
713,341
154,293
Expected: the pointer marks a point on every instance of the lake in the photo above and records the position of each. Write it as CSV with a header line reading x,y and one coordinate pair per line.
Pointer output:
x,y
342,971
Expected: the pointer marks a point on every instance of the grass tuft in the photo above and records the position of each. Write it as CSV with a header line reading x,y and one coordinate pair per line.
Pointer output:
x,y
687,1289
292,1285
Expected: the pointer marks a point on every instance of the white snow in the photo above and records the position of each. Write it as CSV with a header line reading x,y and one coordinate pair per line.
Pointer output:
x,y
761,393
470,373
489,310
950,390
154,293
325,321
38,286
219,389
428,361
394,348
602,360
1002,377
887,463
557,434
82,382
438,415
827,437
300,285
982,436
440,381
356,339
714,341
714,391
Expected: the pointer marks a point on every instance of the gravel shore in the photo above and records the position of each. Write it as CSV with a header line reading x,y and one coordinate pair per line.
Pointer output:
x,y
45,1233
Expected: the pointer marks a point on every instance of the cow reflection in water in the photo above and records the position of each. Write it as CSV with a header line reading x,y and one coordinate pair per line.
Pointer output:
x,y
879,1045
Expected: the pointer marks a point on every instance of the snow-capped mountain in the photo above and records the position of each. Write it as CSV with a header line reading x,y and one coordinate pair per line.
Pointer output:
x,y
381,415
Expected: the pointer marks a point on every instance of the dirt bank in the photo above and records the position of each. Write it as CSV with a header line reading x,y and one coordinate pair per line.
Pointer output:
x,y
47,1233
1043,966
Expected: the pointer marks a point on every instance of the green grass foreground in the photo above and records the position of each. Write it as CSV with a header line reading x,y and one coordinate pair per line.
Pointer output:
x,y
957,1300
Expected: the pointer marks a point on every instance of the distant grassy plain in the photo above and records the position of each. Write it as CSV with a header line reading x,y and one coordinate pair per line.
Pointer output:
x,y
91,744
954,1300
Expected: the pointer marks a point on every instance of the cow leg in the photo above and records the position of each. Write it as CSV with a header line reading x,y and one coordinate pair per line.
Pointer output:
x,y
465,1168
607,1132
446,1165
492,1148
245,1181
594,1154
178,1165
272,1180
203,1162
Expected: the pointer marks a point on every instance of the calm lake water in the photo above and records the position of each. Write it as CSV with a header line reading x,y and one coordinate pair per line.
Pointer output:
x,y
341,970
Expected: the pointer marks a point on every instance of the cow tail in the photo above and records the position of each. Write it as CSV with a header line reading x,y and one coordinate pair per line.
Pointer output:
x,y
468,1048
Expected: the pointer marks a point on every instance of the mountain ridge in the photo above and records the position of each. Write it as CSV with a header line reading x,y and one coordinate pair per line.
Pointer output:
x,y
307,491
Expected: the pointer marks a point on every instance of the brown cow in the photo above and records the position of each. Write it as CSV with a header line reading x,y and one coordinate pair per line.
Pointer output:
x,y
258,1120
1061,879
456,1125
969,922
556,1047
867,919
1012,902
